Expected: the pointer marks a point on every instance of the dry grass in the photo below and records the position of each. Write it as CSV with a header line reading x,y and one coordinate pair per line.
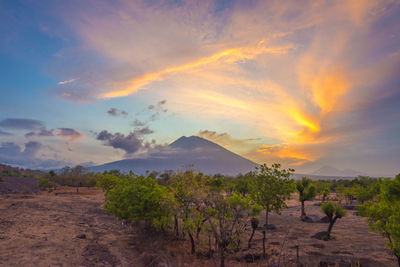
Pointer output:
x,y
41,230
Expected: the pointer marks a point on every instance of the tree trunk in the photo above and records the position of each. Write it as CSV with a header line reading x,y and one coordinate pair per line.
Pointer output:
x,y
331,223
264,255
303,213
176,228
192,242
266,219
209,245
398,259
251,237
222,264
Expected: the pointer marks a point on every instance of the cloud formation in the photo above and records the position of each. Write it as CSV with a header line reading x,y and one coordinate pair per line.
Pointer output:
x,y
116,112
132,143
304,77
2,133
227,141
21,124
29,156
69,133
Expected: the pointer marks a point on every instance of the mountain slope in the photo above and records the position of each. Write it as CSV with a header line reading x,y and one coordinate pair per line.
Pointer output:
x,y
332,171
205,155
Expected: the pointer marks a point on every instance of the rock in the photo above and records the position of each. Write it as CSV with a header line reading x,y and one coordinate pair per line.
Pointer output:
x,y
270,227
251,257
310,218
81,236
320,235
324,220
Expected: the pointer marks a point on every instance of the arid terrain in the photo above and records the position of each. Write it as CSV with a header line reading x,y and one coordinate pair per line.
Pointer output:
x,y
43,230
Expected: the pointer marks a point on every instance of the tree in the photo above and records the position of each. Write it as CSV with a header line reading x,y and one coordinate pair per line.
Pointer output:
x,y
383,215
270,187
189,191
140,199
306,192
107,181
227,219
242,184
333,212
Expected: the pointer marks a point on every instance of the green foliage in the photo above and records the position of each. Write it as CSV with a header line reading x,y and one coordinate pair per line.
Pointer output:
x,y
44,183
333,212
383,215
270,187
189,190
140,199
107,181
306,191
365,194
228,218
242,184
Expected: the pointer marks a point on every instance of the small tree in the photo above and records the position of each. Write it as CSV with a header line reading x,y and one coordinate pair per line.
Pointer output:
x,y
188,189
383,215
270,187
140,199
242,185
227,219
44,183
325,193
333,212
306,192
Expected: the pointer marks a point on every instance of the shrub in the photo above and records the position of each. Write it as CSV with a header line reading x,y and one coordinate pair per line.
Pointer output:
x,y
140,199
44,183
306,192
333,212
383,215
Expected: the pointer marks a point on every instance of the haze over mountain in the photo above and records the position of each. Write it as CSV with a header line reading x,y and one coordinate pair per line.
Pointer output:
x,y
332,171
204,155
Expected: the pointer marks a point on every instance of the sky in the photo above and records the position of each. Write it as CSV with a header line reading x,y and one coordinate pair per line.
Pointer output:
x,y
303,83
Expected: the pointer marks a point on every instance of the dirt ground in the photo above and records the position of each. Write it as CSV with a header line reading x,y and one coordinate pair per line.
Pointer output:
x,y
13,185
42,230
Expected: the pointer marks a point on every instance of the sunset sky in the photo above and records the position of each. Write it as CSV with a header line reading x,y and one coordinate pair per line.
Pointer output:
x,y
302,83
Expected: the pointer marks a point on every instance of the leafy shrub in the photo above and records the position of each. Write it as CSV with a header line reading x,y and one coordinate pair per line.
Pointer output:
x,y
306,191
383,215
333,212
44,183
139,199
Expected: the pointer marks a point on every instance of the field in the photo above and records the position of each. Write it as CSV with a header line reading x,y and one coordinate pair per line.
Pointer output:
x,y
42,230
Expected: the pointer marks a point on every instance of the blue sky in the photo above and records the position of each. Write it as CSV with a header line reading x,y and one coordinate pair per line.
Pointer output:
x,y
297,82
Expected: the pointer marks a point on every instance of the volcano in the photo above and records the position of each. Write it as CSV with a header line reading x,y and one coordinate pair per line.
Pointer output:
x,y
194,151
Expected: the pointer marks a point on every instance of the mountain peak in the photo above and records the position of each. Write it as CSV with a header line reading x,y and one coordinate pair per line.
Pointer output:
x,y
194,142
204,155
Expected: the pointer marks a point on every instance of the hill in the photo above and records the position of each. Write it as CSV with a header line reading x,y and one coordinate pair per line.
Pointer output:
x,y
204,155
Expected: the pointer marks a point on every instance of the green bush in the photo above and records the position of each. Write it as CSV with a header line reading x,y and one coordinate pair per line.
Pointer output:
x,y
333,213
383,215
140,199
44,183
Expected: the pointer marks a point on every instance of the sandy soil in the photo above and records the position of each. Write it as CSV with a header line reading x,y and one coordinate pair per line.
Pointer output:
x,y
42,230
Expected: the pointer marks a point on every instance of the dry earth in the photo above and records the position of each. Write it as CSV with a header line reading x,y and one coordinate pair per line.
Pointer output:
x,y
42,229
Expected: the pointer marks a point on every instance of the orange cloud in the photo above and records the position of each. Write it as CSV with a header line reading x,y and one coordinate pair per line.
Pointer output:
x,y
231,55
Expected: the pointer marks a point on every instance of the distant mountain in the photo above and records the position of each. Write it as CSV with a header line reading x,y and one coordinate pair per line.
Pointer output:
x,y
332,171
205,155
